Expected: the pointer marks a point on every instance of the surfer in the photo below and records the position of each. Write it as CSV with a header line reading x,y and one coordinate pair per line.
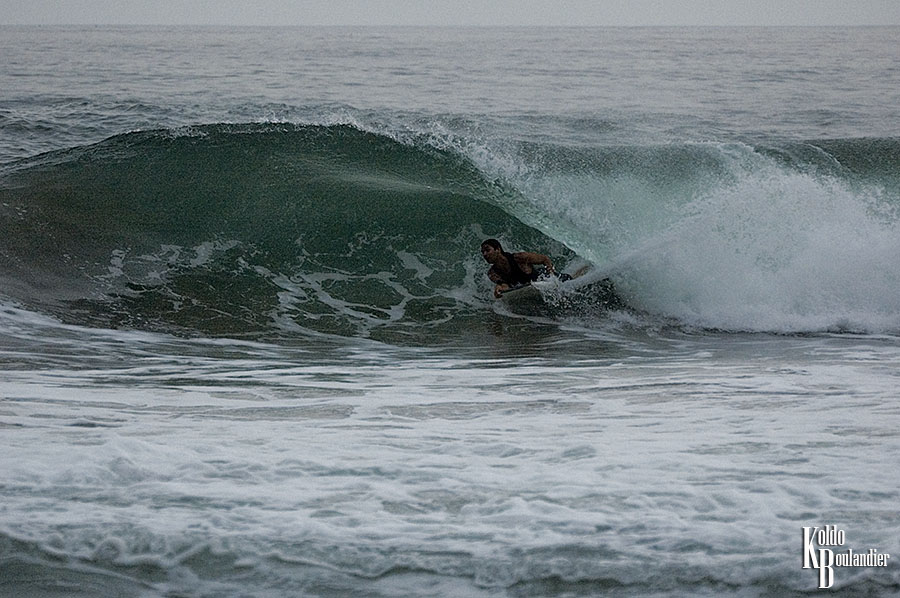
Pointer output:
x,y
510,270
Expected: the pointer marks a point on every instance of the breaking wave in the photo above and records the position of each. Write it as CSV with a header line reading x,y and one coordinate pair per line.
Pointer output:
x,y
283,229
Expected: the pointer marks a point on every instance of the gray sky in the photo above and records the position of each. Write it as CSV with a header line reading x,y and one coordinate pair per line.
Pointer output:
x,y
453,12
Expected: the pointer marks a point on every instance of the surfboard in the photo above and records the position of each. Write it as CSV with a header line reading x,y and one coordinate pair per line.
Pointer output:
x,y
519,292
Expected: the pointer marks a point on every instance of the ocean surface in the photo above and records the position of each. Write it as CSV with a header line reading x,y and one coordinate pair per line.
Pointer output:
x,y
248,347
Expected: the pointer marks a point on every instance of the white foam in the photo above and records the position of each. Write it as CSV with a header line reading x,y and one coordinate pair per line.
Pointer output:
x,y
774,250
748,245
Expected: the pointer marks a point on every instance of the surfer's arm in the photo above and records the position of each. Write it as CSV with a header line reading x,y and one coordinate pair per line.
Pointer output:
x,y
501,285
536,259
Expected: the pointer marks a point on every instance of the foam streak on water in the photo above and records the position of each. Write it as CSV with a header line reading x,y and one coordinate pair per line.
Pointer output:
x,y
387,472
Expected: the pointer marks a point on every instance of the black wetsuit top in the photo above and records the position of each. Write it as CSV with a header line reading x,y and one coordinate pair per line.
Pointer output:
x,y
516,276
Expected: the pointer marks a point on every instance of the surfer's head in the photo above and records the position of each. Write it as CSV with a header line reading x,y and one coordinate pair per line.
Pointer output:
x,y
490,249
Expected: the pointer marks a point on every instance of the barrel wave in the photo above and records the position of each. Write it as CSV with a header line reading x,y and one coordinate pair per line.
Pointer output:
x,y
279,230
261,230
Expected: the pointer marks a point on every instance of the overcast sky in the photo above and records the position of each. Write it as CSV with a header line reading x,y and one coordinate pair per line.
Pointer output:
x,y
453,12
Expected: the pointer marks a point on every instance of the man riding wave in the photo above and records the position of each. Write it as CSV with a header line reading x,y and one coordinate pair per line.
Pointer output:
x,y
510,270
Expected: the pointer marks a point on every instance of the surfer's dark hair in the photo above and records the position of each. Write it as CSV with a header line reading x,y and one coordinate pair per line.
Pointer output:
x,y
492,243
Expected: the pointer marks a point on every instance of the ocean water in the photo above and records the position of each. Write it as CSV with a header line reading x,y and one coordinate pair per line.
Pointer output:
x,y
248,347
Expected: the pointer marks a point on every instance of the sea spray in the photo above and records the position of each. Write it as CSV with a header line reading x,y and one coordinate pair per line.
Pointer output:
x,y
728,235
771,248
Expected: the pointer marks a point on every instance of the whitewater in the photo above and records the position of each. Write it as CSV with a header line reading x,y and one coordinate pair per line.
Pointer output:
x,y
248,346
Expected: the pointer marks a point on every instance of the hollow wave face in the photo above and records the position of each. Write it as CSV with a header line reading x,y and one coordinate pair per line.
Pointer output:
x,y
280,230
268,230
